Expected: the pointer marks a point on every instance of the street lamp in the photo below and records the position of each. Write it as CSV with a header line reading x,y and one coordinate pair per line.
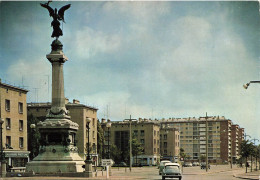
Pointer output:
x,y
88,120
33,126
247,84
88,162
251,154
130,142
108,125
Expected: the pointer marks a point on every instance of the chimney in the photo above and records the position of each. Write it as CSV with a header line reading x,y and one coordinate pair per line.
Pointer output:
x,y
75,101
103,120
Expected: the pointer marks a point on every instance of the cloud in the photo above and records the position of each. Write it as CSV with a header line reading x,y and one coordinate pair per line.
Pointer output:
x,y
33,75
88,42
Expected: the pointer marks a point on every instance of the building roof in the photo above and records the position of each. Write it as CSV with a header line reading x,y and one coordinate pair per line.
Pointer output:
x,y
48,105
15,88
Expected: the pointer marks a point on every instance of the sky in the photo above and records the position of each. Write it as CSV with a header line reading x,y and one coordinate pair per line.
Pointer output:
x,y
145,59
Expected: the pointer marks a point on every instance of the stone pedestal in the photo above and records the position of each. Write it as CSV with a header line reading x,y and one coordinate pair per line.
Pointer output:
x,y
88,168
3,168
58,150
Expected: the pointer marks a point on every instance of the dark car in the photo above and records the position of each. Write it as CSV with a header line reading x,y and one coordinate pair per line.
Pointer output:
x,y
203,165
121,164
137,165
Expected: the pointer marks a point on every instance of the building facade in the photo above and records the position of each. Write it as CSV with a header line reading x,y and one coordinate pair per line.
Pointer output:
x,y
193,134
146,132
169,143
79,113
13,112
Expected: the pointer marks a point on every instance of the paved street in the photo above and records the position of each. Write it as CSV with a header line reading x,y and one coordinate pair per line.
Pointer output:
x,y
220,172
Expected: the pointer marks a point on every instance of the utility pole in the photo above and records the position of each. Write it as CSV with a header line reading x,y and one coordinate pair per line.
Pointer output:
x,y
251,155
130,134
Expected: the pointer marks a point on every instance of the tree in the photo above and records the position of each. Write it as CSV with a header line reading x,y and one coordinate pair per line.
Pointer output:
x,y
137,148
183,155
33,136
100,140
115,153
202,158
247,149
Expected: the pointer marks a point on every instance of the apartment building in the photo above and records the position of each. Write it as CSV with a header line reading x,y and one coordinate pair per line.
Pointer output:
x,y
79,113
234,141
14,134
169,143
147,132
193,137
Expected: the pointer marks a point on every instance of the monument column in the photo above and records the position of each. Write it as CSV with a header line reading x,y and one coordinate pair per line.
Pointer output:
x,y
57,59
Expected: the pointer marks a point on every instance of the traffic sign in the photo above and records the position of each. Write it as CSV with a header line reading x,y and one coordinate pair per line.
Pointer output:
x,y
106,162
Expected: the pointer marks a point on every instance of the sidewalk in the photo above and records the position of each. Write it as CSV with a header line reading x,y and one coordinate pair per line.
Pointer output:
x,y
249,175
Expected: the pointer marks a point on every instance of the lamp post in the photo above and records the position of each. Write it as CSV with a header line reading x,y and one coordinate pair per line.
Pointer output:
x,y
256,154
247,84
33,126
2,157
130,146
108,125
88,162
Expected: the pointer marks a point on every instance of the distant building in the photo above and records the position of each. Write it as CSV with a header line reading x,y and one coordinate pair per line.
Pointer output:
x,y
193,137
235,142
147,133
169,143
79,113
13,112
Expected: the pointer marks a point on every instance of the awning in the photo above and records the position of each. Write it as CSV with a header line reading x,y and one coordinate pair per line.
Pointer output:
x,y
17,154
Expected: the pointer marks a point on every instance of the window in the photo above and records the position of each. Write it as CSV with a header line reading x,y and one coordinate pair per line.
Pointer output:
x,y
8,123
7,105
135,132
142,141
93,134
165,136
20,125
165,152
20,107
165,144
142,132
21,142
154,141
8,142
154,150
154,133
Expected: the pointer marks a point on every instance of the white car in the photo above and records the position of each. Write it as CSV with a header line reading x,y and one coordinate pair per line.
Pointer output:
x,y
171,170
161,166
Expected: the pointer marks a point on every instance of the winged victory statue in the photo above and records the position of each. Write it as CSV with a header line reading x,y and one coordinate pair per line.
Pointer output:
x,y
57,16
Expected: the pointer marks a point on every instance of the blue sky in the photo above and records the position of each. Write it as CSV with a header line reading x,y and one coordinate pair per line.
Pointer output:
x,y
147,59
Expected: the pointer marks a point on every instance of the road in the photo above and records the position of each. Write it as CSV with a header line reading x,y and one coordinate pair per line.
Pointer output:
x,y
220,172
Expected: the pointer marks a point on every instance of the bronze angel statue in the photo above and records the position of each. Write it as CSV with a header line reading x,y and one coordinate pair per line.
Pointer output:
x,y
57,16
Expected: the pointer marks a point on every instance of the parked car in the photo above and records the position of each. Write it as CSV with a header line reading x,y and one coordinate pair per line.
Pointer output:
x,y
121,164
137,165
195,164
187,164
171,170
161,166
203,165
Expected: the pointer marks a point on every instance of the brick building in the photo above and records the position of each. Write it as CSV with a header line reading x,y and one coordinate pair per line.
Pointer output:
x,y
193,137
13,112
